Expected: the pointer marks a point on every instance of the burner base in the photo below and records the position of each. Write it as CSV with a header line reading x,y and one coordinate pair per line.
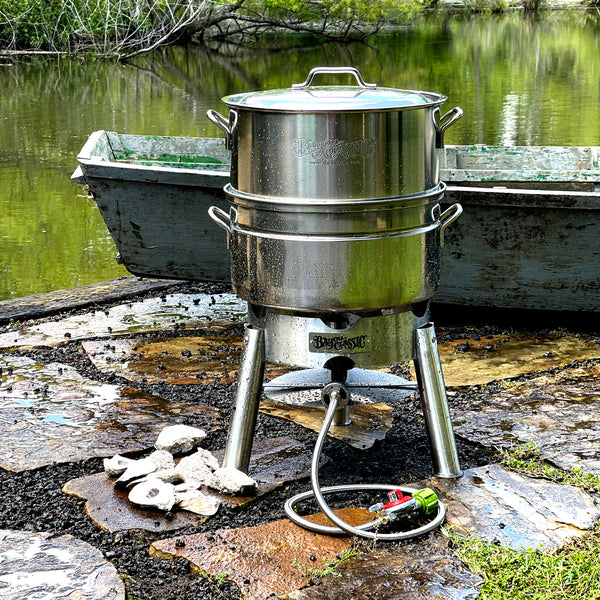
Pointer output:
x,y
420,340
366,387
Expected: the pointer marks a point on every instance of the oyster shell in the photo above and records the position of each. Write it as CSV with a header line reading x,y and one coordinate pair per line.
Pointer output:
x,y
153,493
179,439
139,468
232,481
162,459
117,465
166,475
198,469
197,502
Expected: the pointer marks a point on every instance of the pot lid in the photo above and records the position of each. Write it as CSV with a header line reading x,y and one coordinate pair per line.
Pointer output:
x,y
334,98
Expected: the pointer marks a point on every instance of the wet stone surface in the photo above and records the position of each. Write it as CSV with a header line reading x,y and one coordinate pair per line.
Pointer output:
x,y
38,565
153,314
110,509
50,413
513,510
54,413
557,411
180,361
470,361
420,570
262,560
370,422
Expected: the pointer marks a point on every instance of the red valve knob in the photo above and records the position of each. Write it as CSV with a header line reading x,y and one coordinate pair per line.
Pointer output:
x,y
395,498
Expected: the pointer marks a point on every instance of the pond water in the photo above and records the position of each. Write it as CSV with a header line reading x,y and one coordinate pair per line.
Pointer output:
x,y
520,79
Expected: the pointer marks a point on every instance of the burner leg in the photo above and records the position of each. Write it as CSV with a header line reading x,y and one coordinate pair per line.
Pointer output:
x,y
435,403
245,410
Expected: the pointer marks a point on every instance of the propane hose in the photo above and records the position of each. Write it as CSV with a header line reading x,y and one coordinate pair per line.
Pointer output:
x,y
365,530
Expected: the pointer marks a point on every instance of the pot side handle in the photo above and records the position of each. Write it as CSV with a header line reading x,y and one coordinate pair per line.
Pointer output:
x,y
222,219
448,119
447,217
334,70
222,123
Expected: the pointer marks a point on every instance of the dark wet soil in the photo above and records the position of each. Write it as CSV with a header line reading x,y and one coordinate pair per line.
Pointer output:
x,y
33,500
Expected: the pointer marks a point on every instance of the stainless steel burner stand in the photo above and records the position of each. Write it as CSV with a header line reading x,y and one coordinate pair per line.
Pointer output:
x,y
315,341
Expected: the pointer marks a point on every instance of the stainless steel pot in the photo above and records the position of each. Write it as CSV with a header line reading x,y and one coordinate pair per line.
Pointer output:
x,y
336,142
325,255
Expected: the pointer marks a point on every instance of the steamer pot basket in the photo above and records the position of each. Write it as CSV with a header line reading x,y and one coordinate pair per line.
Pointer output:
x,y
334,256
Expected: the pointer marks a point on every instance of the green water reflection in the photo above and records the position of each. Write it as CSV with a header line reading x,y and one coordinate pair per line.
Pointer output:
x,y
519,79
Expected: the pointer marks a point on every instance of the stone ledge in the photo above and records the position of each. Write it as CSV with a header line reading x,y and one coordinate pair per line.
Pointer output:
x,y
43,305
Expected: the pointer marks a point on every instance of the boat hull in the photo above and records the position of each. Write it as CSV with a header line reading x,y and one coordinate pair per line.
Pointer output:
x,y
153,194
527,238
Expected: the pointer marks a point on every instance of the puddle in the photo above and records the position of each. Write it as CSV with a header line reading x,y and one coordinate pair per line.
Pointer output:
x,y
423,569
559,412
180,360
370,422
152,314
274,463
476,362
50,413
38,565
514,510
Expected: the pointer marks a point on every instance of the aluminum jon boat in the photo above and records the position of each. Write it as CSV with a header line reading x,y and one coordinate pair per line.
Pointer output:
x,y
527,239
153,193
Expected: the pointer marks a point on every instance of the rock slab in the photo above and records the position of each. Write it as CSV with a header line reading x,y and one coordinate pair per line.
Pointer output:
x,y
508,508
40,305
276,558
274,462
370,422
262,560
110,509
468,362
50,413
151,314
419,570
37,565
560,412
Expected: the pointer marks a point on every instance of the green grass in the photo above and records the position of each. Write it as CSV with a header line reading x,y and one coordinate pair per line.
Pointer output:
x,y
527,459
571,572
314,575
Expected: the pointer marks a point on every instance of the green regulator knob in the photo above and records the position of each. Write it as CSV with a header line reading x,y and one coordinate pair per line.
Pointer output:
x,y
427,500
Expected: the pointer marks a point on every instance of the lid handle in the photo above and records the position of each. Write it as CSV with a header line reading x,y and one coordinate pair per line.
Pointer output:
x,y
334,70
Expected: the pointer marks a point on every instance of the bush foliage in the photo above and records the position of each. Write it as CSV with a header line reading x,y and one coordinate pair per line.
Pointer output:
x,y
125,27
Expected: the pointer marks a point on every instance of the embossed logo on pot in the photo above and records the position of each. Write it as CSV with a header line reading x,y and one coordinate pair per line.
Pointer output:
x,y
333,342
334,150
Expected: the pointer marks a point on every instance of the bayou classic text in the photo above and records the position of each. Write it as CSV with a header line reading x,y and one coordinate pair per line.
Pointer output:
x,y
339,343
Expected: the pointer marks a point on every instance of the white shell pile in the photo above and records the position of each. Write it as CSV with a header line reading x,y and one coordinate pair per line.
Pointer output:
x,y
158,482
